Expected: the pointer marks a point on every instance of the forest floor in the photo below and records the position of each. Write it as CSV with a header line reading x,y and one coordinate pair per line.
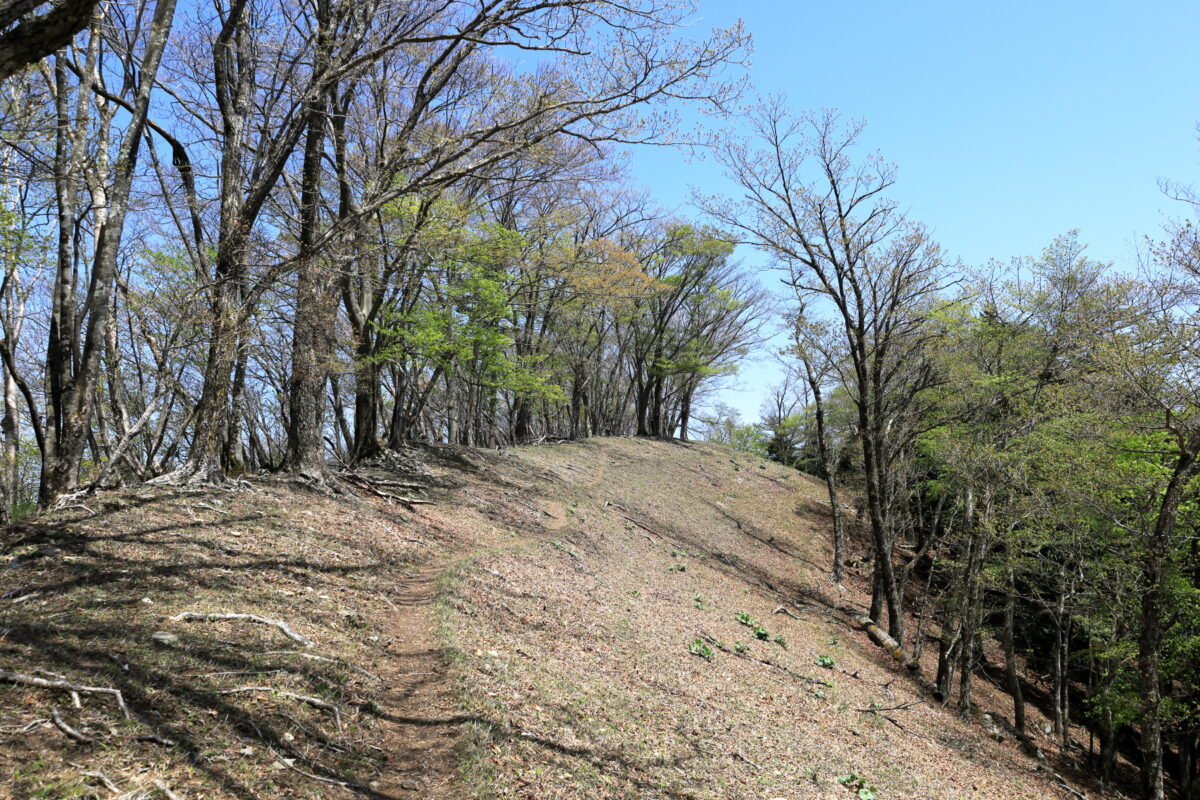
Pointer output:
x,y
615,618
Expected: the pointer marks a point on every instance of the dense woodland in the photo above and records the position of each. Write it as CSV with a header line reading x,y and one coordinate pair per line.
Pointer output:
x,y
247,236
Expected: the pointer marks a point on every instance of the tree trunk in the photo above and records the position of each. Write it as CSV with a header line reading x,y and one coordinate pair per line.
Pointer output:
x,y
1158,546
830,468
1011,677
316,316
75,407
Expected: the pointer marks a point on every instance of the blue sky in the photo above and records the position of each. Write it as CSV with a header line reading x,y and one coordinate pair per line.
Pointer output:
x,y
1010,122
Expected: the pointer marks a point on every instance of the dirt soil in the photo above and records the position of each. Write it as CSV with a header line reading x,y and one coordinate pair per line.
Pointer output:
x,y
612,618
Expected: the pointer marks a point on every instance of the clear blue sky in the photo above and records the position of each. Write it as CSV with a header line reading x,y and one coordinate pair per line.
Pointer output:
x,y
1010,122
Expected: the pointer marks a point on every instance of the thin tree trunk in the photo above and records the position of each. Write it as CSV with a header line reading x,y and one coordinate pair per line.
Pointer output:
x,y
1154,598
76,406
1012,679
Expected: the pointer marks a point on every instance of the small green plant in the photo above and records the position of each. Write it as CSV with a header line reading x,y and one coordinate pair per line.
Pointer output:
x,y
744,618
824,661
568,550
699,648
779,640
761,632
819,694
741,647
677,568
858,784
699,601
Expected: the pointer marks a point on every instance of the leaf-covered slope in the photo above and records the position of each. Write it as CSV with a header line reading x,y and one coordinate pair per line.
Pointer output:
x,y
610,618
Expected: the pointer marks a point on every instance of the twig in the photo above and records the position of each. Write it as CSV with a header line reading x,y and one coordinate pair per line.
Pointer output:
x,y
26,728
232,673
741,757
67,729
100,776
287,763
1061,781
315,702
156,739
209,617
641,525
166,790
724,649
784,610
901,707
66,686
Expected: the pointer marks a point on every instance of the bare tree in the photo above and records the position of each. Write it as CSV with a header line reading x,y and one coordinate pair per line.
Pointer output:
x,y
825,218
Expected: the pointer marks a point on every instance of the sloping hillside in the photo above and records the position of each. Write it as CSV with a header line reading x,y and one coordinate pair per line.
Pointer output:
x,y
612,618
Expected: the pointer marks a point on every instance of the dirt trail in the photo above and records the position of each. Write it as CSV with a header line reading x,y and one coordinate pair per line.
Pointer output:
x,y
423,719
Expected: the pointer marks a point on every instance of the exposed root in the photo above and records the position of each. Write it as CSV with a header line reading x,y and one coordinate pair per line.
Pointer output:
x,y
379,488
313,657
26,728
65,686
209,617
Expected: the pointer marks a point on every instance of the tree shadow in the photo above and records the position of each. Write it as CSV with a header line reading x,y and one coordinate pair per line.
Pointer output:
x,y
86,605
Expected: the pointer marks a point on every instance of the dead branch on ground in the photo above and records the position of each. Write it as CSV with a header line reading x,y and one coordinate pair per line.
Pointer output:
x,y
315,702
67,729
65,686
209,617
100,776
166,790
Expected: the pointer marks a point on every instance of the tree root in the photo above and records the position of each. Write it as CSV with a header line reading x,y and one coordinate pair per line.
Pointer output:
x,y
332,781
379,488
209,617
66,686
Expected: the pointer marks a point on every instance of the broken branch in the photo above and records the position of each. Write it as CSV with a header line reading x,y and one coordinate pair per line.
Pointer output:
x,y
315,702
65,686
67,729
208,617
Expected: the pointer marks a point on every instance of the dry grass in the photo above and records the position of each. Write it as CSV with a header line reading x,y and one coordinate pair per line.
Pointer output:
x,y
574,651
526,636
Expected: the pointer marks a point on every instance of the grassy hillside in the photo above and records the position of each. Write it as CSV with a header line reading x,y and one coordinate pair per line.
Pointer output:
x,y
613,618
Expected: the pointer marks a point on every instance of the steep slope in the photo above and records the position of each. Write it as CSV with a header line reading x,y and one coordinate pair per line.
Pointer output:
x,y
579,620
617,657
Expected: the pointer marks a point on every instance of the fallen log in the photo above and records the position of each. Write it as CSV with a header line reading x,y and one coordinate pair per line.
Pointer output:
x,y
887,643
